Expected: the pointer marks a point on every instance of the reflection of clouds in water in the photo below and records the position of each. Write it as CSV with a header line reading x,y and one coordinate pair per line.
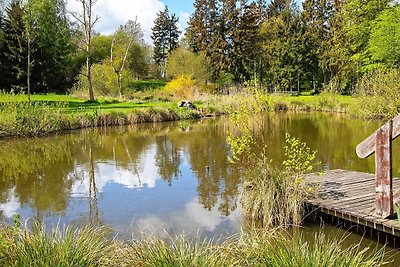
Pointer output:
x,y
144,173
11,207
193,218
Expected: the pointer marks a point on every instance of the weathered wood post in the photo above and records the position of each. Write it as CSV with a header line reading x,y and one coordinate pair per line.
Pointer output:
x,y
383,171
380,143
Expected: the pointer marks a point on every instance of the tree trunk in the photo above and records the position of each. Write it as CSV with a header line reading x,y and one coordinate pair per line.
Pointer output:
x,y
120,84
89,77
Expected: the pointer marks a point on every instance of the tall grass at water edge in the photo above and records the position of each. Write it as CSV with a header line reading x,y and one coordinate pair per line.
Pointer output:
x,y
91,246
22,118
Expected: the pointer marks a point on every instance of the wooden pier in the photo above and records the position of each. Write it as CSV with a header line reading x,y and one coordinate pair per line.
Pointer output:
x,y
361,198
350,195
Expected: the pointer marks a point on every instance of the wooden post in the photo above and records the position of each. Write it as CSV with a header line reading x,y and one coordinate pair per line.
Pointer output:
x,y
380,143
383,171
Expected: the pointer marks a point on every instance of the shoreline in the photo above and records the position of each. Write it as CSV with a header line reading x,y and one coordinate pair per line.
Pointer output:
x,y
70,122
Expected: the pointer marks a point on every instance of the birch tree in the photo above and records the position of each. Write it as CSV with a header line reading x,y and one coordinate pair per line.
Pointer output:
x,y
122,42
87,21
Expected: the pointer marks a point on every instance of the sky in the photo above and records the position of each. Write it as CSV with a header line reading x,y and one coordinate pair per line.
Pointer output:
x,y
113,13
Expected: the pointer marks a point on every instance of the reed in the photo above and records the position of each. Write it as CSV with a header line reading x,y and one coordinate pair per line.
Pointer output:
x,y
90,246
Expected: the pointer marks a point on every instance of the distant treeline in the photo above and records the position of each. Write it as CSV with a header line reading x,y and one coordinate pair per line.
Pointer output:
x,y
285,47
326,44
40,35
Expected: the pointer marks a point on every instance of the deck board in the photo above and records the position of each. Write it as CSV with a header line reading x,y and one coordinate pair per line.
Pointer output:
x,y
350,195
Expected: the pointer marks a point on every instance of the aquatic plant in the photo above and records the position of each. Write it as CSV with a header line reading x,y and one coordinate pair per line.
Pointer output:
x,y
271,196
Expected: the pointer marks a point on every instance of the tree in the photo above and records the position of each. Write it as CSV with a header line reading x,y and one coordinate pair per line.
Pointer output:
x,y
50,29
120,46
184,62
197,32
246,43
15,47
165,35
283,46
87,22
138,62
2,48
316,19
384,41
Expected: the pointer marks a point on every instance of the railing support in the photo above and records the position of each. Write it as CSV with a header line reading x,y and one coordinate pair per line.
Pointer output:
x,y
380,143
383,171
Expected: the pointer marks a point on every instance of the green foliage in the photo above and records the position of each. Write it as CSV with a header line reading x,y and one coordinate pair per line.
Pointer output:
x,y
184,62
29,118
91,247
165,35
299,158
271,196
104,81
379,94
385,38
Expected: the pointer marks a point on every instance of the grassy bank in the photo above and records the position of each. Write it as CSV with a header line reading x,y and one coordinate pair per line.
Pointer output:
x,y
323,102
96,247
52,113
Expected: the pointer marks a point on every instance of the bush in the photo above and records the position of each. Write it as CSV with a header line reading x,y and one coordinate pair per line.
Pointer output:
x,y
183,86
104,81
30,118
379,94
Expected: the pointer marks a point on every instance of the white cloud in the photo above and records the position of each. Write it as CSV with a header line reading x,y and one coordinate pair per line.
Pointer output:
x,y
113,13
11,207
193,218
136,177
183,21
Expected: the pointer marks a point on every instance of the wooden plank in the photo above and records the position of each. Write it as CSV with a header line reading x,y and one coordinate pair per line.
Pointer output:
x,y
367,147
383,171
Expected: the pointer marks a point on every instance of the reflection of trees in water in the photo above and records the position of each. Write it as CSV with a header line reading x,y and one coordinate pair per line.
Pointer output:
x,y
168,158
43,171
28,166
93,208
208,156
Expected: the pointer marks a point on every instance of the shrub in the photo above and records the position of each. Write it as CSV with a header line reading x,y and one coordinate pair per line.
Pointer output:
x,y
182,86
104,81
379,94
30,118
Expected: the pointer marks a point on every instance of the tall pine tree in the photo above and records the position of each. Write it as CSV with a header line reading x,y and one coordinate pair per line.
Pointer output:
x,y
15,47
165,35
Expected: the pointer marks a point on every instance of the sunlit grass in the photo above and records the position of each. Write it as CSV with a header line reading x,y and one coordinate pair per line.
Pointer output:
x,y
90,246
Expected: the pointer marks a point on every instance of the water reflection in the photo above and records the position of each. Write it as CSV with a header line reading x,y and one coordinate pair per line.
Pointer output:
x,y
174,176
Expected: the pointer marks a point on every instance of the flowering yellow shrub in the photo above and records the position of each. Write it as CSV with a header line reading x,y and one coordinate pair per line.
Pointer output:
x,y
182,86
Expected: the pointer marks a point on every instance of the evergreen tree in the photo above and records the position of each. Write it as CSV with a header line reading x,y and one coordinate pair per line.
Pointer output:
x,y
52,32
165,35
15,47
2,48
197,32
316,18
246,42
283,46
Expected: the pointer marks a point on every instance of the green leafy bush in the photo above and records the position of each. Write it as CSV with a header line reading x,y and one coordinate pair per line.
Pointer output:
x,y
379,94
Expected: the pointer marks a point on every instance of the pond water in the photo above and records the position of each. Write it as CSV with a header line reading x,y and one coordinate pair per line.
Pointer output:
x,y
155,177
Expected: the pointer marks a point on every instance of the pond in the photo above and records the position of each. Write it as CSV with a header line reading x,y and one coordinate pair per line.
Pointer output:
x,y
154,177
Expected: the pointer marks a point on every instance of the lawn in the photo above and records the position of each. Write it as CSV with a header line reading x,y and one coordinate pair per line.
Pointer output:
x,y
76,105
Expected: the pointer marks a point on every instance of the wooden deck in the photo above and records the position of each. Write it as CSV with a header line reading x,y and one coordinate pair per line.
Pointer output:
x,y
350,195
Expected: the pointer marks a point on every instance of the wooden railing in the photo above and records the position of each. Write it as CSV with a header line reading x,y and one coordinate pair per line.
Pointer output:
x,y
380,143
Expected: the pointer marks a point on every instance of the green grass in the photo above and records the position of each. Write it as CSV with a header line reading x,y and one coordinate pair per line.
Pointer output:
x,y
74,104
143,85
94,246
51,113
321,102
